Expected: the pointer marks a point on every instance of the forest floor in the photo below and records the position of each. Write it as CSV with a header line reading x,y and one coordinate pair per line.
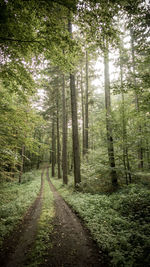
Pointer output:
x,y
72,244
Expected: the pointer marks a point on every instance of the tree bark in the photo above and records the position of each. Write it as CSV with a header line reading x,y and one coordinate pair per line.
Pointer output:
x,y
64,145
76,153
140,148
58,141
86,104
124,129
110,144
75,138
53,146
83,117
22,163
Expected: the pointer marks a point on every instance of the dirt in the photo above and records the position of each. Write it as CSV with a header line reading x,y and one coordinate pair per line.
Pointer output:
x,y
72,244
19,243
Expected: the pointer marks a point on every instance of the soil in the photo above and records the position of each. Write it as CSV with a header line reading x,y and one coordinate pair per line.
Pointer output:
x,y
72,244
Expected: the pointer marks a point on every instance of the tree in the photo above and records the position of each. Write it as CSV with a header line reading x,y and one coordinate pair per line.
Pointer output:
x,y
64,141
75,139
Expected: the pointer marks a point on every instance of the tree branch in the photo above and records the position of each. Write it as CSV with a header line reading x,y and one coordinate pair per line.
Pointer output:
x,y
3,39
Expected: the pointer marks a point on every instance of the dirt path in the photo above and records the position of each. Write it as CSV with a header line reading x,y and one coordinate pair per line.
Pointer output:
x,y
20,242
72,244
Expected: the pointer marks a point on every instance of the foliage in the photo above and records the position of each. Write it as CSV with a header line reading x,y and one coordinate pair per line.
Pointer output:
x,y
18,125
119,222
15,200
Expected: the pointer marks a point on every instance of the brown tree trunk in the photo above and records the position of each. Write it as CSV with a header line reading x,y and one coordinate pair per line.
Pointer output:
x,y
110,144
140,148
58,141
75,138
86,104
64,145
53,147
83,117
22,163
124,129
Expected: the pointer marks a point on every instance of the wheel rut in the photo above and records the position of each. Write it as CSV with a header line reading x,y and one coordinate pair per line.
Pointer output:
x,y
72,244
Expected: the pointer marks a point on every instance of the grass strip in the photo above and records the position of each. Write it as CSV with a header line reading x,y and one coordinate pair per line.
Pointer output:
x,y
45,228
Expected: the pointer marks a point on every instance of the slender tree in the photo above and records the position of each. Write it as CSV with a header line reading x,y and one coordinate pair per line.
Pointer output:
x,y
64,137
83,114
58,139
75,138
87,104
108,117
53,146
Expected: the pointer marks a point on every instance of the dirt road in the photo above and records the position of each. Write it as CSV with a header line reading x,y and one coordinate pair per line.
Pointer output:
x,y
72,244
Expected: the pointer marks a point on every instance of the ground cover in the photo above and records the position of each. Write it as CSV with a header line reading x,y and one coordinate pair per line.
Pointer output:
x,y
15,199
119,222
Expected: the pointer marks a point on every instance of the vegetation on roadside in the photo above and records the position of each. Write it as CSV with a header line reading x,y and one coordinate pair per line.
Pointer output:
x,y
119,222
45,227
15,199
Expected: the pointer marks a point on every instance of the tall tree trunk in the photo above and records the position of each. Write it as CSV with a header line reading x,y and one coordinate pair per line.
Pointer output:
x,y
64,145
110,144
58,140
124,129
22,163
53,146
83,117
86,104
75,138
140,148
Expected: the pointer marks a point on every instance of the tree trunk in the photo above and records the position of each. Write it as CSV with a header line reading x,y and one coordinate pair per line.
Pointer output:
x,y
83,117
58,141
53,147
76,152
124,129
86,104
140,148
110,144
22,163
64,145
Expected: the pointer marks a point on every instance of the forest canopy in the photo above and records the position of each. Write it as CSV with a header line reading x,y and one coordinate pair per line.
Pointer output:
x,y
56,107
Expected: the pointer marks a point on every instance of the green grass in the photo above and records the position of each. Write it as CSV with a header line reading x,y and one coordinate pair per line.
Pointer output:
x,y
119,222
45,228
15,199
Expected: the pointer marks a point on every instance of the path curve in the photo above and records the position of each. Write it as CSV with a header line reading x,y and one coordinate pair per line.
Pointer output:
x,y
72,244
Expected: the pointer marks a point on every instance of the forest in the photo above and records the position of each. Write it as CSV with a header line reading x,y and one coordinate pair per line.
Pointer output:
x,y
75,132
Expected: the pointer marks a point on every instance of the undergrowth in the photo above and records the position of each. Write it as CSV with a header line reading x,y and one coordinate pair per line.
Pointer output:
x,y
15,199
119,222
43,242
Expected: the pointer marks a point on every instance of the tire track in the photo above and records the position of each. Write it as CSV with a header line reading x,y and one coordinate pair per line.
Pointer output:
x,y
72,244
